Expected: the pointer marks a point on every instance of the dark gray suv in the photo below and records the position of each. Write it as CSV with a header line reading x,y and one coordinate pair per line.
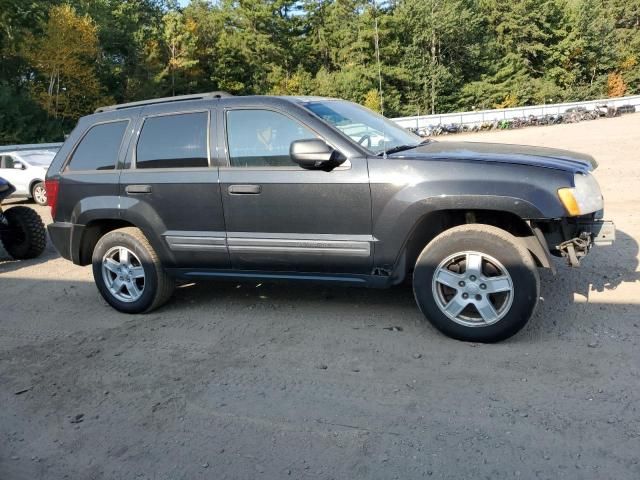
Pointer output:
x,y
305,188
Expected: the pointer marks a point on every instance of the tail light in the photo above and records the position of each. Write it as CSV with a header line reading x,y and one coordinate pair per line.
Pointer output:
x,y
52,187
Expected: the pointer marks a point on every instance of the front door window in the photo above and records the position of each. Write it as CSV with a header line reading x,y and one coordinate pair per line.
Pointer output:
x,y
262,138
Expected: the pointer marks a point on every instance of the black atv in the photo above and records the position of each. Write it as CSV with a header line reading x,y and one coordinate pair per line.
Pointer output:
x,y
22,232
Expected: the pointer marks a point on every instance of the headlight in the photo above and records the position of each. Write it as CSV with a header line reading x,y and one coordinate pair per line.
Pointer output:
x,y
584,198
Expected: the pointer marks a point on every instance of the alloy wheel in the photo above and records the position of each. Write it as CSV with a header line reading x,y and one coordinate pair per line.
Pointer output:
x,y
472,289
40,194
123,274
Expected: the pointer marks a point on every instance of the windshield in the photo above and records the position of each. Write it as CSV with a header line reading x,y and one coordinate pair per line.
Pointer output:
x,y
374,132
38,159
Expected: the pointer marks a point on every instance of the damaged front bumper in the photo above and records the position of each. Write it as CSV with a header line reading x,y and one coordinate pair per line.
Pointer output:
x,y
585,235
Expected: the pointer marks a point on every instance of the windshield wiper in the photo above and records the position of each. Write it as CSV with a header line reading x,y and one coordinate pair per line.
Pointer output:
x,y
400,148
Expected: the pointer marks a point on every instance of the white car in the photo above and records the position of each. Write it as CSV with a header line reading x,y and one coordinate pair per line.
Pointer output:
x,y
26,170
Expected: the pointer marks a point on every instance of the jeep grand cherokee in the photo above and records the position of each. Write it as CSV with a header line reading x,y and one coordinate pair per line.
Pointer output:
x,y
307,188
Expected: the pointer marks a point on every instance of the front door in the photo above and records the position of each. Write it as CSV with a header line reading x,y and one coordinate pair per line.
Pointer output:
x,y
281,217
170,187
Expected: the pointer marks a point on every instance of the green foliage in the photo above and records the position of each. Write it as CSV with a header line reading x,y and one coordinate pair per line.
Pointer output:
x,y
23,121
438,48
435,55
64,82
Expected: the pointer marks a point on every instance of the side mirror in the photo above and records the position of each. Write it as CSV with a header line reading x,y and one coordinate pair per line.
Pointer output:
x,y
18,166
315,154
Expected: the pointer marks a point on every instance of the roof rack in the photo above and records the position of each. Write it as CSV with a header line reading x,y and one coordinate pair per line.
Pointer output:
x,y
155,101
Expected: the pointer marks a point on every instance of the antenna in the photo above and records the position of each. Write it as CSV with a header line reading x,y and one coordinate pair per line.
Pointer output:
x,y
377,43
379,65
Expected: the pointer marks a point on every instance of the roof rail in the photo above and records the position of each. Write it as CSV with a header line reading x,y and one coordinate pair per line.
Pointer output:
x,y
155,101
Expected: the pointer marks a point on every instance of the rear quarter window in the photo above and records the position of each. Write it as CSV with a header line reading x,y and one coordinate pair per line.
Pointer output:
x,y
99,148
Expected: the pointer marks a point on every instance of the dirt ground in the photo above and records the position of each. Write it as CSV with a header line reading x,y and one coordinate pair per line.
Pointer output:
x,y
289,381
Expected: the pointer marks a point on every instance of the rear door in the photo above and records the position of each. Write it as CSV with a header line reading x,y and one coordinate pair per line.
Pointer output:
x,y
281,217
170,186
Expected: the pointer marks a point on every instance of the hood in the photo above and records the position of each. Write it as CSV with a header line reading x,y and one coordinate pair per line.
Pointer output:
x,y
502,153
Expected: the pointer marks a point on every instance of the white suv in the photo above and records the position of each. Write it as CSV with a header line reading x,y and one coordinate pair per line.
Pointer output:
x,y
26,170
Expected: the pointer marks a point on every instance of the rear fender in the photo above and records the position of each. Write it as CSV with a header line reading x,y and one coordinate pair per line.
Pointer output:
x,y
141,215
93,213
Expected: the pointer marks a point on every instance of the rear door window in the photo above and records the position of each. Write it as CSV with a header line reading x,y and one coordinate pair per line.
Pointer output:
x,y
174,141
99,148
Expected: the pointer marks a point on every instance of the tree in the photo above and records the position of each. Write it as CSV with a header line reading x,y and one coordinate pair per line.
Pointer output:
x,y
61,58
615,85
372,100
517,52
439,36
626,14
590,47
179,42
64,58
125,29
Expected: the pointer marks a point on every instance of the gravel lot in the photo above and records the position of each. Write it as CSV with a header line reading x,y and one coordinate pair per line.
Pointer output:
x,y
286,381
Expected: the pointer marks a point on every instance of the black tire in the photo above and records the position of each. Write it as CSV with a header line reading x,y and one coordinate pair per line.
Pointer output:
x,y
158,285
39,194
489,241
26,236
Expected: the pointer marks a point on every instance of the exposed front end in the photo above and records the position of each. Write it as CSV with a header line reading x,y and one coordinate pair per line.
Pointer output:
x,y
583,227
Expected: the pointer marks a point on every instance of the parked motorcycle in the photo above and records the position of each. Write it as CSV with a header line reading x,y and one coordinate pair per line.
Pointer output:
x,y
22,232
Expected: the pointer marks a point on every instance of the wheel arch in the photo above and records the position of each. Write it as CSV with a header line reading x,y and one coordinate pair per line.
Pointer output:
x,y
433,223
92,232
33,184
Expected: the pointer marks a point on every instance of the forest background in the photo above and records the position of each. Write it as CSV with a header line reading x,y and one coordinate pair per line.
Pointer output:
x,y
61,59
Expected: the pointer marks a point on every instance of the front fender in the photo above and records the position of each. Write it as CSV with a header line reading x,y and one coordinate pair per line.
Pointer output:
x,y
404,192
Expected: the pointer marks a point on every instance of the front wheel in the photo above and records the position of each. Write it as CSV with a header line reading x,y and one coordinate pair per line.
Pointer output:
x,y
476,283
128,273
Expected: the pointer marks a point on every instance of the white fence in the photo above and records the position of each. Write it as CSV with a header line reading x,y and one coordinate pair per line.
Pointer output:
x,y
481,116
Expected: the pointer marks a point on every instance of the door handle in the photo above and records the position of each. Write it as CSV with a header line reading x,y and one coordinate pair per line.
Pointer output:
x,y
138,189
245,189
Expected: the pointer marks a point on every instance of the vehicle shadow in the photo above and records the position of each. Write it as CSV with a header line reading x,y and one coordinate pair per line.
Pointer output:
x,y
600,298
9,264
15,201
614,265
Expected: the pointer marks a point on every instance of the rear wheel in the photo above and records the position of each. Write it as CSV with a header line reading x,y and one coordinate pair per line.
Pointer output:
x,y
476,283
128,273
39,193
25,236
